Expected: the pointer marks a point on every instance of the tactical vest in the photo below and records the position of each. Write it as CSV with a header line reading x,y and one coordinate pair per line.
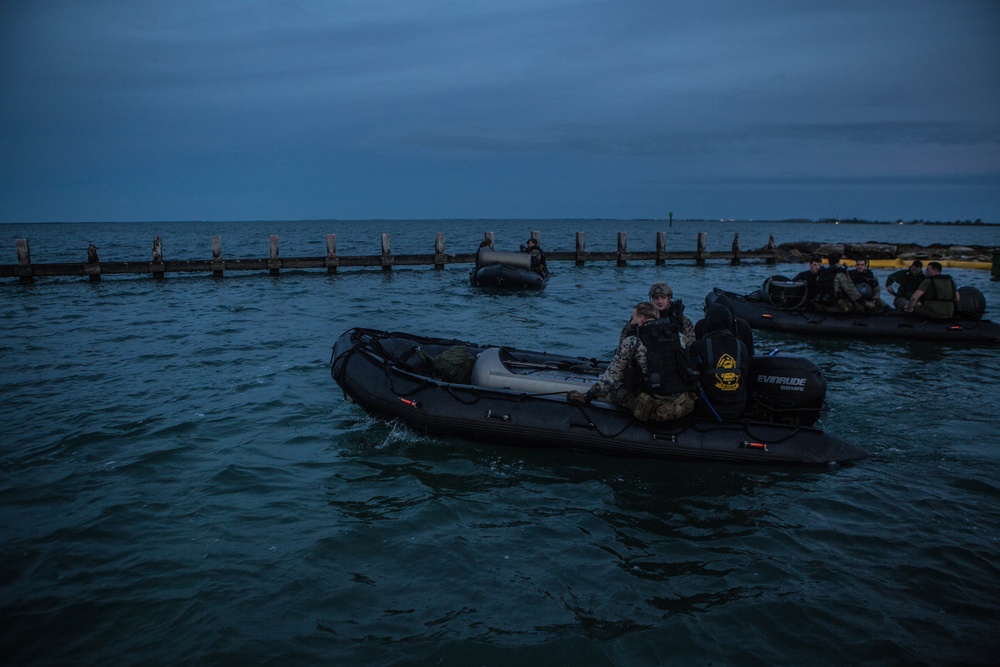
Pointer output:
x,y
669,368
824,285
910,283
942,288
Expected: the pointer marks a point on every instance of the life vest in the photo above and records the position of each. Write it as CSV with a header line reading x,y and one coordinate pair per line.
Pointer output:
x,y
866,278
909,284
669,368
942,288
866,283
675,313
825,292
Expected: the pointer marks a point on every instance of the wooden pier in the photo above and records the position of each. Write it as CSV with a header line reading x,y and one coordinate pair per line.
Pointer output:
x,y
158,267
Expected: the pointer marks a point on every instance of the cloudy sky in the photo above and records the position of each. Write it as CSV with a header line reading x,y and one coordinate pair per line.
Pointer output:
x,y
360,109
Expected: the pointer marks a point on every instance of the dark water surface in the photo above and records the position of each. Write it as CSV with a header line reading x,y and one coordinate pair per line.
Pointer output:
x,y
182,482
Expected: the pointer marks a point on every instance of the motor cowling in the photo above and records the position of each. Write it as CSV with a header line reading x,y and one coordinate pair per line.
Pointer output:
x,y
784,293
971,303
785,389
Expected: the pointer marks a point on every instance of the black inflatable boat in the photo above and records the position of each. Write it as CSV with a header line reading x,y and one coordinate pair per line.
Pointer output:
x,y
511,270
779,305
508,396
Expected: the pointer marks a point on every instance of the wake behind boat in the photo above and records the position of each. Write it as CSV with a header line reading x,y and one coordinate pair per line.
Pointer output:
x,y
779,305
507,396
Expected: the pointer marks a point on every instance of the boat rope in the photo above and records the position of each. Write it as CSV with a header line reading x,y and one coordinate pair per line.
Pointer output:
x,y
593,425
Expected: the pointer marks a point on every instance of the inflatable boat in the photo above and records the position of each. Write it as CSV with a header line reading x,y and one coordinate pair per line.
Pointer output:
x,y
779,305
506,396
512,270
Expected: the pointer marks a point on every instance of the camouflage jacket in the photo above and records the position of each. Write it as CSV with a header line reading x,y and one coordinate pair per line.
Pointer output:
x,y
629,349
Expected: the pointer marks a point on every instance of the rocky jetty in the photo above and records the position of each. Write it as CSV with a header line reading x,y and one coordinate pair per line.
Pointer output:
x,y
800,252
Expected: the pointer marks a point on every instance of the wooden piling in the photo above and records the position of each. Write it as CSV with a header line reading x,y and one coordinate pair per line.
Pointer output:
x,y
661,248
24,272
331,262
699,254
581,248
387,259
93,266
736,250
274,259
439,258
218,266
156,266
622,259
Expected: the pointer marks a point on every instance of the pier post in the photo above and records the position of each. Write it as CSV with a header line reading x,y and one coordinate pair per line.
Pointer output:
x,y
487,240
622,248
93,266
218,266
24,272
661,248
387,260
581,248
274,259
699,254
156,266
331,260
736,250
439,258
773,259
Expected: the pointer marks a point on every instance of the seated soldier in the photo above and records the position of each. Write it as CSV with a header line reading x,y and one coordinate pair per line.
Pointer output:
x,y
811,277
651,374
936,297
909,280
867,285
835,280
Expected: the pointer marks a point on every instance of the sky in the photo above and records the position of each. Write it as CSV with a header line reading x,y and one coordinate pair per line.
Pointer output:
x,y
145,110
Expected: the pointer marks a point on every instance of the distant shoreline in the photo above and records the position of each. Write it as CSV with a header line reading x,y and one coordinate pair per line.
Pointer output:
x,y
822,221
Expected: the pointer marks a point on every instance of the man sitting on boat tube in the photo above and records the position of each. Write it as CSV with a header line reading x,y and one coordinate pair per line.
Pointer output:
x,y
936,297
651,374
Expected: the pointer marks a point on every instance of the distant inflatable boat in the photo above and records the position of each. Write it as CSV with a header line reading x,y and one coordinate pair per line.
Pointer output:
x,y
779,305
507,396
512,270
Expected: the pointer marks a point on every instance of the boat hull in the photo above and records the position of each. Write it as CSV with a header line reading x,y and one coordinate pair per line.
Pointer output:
x,y
892,325
506,276
368,367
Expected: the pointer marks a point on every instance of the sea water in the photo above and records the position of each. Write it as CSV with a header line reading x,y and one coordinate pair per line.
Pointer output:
x,y
182,482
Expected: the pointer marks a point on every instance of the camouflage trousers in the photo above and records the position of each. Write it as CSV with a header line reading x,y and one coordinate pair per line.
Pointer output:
x,y
645,407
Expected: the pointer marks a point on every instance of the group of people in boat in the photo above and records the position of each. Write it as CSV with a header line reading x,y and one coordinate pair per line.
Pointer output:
x,y
928,293
665,367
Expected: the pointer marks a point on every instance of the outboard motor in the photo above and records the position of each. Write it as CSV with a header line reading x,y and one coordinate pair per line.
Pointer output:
x,y
785,389
971,303
783,293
